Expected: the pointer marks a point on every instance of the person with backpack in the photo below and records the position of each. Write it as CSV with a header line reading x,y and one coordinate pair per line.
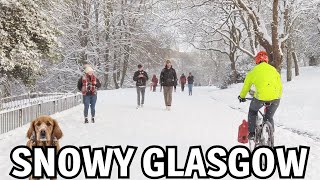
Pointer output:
x,y
190,83
154,82
268,85
141,78
88,85
183,81
168,79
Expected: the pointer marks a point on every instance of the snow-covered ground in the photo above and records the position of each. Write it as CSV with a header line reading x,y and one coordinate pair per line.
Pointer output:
x,y
298,107
210,117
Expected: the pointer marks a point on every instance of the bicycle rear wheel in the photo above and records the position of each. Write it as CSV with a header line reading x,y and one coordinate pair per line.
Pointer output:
x,y
267,138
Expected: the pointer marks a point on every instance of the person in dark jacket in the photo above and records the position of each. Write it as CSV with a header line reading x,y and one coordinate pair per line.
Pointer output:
x,y
168,79
183,81
154,82
88,85
141,78
190,83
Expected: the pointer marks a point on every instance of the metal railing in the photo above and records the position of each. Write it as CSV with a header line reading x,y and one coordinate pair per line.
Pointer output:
x,y
14,102
20,110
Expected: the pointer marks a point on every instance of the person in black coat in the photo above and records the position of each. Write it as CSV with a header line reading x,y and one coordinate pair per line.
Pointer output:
x,y
168,79
141,78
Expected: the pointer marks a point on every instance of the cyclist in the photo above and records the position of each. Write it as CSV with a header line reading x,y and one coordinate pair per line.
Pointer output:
x,y
268,85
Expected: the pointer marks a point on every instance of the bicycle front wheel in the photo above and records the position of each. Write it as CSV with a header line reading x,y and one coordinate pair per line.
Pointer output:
x,y
267,138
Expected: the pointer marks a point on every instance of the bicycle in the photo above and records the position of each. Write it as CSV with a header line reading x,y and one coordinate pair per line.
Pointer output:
x,y
264,130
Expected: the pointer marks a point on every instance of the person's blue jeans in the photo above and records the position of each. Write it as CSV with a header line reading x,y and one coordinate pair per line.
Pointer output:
x,y
89,101
190,88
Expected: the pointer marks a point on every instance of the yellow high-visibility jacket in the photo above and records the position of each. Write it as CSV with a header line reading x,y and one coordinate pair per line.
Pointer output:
x,y
266,80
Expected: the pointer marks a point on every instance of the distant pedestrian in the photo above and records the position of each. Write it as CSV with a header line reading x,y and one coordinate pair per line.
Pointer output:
x,y
190,83
154,83
141,78
183,81
168,79
88,85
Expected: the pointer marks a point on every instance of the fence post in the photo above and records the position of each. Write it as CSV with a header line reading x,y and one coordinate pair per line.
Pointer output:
x,y
0,102
39,110
1,123
54,107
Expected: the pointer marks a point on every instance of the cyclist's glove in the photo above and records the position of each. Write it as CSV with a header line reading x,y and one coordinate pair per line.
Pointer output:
x,y
241,99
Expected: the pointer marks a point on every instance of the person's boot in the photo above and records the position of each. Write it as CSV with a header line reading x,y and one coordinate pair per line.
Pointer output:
x,y
86,120
141,106
92,119
168,108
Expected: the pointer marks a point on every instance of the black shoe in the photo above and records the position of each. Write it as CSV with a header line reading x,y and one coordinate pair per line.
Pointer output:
x,y
86,120
251,136
92,120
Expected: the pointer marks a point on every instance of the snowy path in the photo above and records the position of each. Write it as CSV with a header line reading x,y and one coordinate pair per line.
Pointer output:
x,y
203,119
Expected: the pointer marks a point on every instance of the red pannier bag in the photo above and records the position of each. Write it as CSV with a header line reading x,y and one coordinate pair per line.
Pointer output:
x,y
243,132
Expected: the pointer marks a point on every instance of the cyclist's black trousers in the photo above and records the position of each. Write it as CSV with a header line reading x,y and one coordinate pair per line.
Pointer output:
x,y
254,108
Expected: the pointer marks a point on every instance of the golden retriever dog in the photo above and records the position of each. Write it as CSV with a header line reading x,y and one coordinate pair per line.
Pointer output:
x,y
44,131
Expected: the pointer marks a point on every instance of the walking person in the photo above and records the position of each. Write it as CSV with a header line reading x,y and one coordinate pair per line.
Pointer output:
x,y
190,83
88,85
183,81
141,78
168,79
154,82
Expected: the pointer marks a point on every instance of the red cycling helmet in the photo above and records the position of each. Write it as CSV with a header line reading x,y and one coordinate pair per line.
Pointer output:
x,y
262,56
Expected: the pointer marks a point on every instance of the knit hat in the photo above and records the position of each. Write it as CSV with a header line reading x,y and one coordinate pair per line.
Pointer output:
x,y
88,69
168,61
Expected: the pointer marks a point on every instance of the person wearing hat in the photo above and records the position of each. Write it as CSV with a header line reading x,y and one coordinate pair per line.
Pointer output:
x,y
141,78
268,85
88,85
168,79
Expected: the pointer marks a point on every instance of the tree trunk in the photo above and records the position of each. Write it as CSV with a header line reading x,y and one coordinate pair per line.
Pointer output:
x,y
236,38
277,58
234,72
97,34
115,74
118,71
107,15
84,39
125,64
106,70
289,62
296,65
288,45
